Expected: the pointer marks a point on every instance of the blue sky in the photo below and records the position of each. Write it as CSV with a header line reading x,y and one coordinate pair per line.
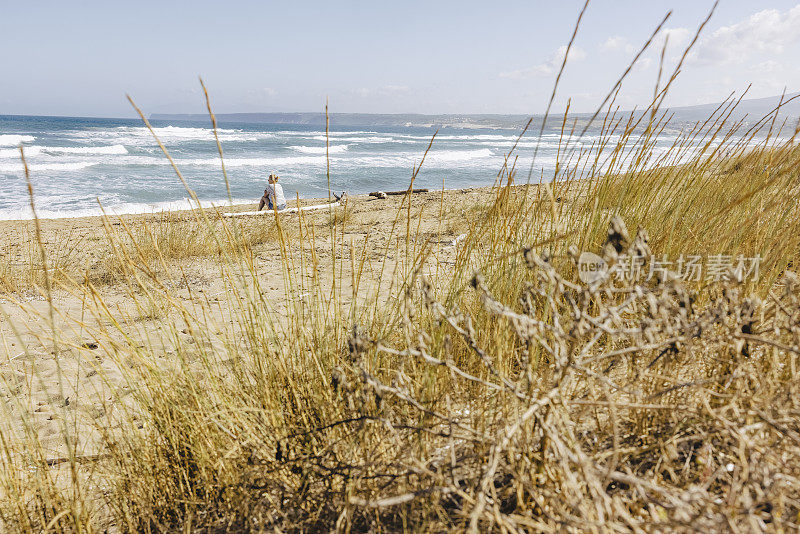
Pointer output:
x,y
80,58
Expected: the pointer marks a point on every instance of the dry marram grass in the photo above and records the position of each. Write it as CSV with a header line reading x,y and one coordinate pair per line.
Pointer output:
x,y
412,383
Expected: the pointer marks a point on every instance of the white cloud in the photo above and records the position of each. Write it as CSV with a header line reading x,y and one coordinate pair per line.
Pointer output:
x,y
676,40
550,66
618,43
768,66
768,31
643,63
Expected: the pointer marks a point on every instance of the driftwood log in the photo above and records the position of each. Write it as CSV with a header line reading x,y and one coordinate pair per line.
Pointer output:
x,y
384,194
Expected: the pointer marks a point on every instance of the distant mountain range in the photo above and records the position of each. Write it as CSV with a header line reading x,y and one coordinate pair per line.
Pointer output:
x,y
751,110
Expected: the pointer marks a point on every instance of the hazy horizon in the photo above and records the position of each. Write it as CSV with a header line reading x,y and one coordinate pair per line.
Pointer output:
x,y
794,105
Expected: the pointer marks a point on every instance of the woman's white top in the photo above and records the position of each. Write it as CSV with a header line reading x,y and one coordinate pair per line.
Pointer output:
x,y
275,191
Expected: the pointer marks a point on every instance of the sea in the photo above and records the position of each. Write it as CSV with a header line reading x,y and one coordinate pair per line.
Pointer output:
x,y
87,166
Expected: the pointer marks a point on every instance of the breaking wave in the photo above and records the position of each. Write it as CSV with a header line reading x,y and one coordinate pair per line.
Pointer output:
x,y
14,139
338,149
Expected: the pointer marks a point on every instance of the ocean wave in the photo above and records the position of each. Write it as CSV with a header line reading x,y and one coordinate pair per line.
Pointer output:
x,y
15,139
32,151
309,156
130,208
173,133
176,131
355,139
338,149
473,137
33,167
401,159
140,135
11,166
13,153
460,155
254,162
452,159
331,133
89,150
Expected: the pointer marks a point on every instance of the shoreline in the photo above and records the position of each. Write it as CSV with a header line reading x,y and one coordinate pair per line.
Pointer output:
x,y
212,205
79,246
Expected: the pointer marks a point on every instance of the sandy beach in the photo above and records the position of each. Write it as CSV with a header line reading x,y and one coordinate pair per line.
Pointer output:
x,y
83,379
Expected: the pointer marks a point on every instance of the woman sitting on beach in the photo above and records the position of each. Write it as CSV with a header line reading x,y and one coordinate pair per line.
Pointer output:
x,y
273,195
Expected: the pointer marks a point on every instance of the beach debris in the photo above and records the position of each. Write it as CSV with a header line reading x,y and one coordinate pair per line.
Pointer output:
x,y
287,210
459,238
384,194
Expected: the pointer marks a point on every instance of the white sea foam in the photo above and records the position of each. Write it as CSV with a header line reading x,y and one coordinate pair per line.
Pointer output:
x,y
12,166
139,135
403,159
14,139
452,159
441,158
357,139
177,133
254,162
309,156
16,166
475,137
112,149
350,137
33,151
181,131
454,156
13,153
338,149
24,212
339,134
